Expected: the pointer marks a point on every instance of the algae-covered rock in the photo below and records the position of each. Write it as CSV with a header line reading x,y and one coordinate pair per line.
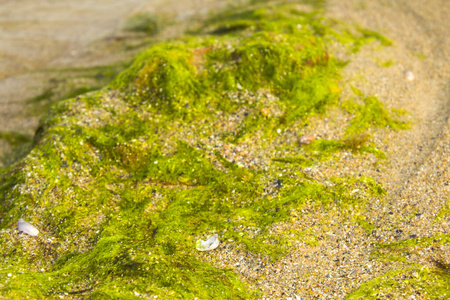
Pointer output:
x,y
199,135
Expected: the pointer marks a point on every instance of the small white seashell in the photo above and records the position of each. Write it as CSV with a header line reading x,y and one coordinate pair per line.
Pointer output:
x,y
209,244
409,75
27,228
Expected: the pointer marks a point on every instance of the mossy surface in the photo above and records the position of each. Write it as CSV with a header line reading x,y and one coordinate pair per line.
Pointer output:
x,y
122,182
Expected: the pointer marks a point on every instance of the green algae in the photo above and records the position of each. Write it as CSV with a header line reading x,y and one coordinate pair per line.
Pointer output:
x,y
413,278
66,83
428,283
210,199
423,242
142,22
124,182
368,34
387,64
14,138
443,212
263,61
20,144
372,114
321,150
288,57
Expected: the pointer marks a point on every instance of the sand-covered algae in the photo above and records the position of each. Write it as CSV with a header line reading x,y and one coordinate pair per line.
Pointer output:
x,y
321,150
429,279
125,180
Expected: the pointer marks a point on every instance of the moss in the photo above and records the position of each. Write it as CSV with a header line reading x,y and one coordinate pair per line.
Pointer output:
x,y
125,180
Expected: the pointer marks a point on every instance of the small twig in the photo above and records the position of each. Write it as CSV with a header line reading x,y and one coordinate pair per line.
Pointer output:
x,y
154,232
80,292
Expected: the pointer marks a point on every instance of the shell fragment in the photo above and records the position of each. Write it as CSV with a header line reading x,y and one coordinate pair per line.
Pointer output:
x,y
208,244
27,228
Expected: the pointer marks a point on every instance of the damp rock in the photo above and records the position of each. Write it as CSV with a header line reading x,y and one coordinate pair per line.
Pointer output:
x,y
209,244
306,139
27,228
409,75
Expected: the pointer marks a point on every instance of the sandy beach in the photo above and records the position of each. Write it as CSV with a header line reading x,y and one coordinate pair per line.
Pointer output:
x,y
416,175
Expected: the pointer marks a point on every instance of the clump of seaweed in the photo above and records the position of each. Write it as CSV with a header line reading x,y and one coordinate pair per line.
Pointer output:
x,y
124,181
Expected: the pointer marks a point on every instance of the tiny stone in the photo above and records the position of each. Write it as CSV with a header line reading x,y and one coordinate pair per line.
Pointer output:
x,y
265,111
306,139
409,75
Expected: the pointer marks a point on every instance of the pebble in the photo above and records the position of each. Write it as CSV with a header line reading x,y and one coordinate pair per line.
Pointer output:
x,y
306,139
409,75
